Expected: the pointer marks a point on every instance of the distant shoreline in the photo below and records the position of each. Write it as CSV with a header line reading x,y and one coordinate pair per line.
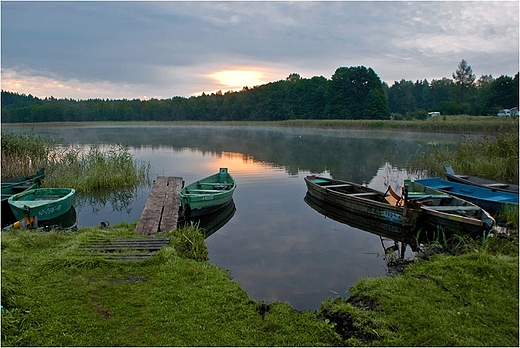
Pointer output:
x,y
460,124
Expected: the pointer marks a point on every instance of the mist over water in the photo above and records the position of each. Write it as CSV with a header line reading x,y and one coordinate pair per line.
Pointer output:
x,y
275,245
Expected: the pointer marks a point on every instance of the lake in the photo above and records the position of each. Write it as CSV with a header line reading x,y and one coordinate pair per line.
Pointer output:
x,y
275,245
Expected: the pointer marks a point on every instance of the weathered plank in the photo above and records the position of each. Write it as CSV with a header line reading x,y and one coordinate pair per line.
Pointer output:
x,y
124,249
161,211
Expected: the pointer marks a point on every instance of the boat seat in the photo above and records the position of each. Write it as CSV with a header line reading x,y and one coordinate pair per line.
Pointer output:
x,y
337,185
394,198
414,195
204,191
453,208
497,185
362,194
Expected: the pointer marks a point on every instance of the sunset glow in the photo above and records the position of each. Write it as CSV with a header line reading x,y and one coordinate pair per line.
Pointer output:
x,y
237,79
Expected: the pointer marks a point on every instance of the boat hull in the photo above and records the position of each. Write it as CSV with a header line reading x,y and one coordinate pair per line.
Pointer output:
x,y
492,201
360,200
476,181
15,186
44,203
448,212
207,195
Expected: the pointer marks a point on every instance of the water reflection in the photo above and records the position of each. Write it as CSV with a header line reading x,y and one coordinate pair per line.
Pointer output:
x,y
211,223
382,229
394,238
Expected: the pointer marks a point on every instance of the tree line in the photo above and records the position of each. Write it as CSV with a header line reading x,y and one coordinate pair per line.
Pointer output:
x,y
351,93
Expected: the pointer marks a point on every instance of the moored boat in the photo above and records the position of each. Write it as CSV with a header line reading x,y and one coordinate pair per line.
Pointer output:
x,y
492,201
451,213
361,200
474,180
208,194
43,203
13,186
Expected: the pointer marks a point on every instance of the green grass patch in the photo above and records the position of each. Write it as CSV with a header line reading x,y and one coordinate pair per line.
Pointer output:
x,y
54,294
464,300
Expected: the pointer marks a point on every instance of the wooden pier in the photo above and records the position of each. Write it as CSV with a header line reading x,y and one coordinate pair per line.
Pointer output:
x,y
161,211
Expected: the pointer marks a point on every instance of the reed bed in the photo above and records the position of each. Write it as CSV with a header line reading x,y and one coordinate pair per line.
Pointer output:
x,y
92,169
442,124
24,154
86,170
495,158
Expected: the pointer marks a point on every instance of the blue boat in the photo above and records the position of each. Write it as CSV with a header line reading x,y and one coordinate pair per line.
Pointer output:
x,y
488,199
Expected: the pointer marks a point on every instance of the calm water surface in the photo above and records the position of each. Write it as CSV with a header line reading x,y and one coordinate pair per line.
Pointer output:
x,y
275,246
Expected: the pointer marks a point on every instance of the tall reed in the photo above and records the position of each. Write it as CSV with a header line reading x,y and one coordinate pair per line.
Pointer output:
x,y
495,158
86,170
24,154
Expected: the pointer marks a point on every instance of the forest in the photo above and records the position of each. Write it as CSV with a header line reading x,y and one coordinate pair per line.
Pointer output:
x,y
352,93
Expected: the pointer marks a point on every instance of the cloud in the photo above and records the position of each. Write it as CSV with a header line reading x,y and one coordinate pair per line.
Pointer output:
x,y
163,49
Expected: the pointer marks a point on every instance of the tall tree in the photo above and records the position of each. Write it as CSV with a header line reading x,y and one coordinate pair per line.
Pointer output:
x,y
349,93
464,82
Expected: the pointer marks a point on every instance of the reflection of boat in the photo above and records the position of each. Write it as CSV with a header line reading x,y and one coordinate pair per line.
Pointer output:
x,y
378,227
212,222
43,203
13,186
491,200
361,200
447,211
474,180
207,195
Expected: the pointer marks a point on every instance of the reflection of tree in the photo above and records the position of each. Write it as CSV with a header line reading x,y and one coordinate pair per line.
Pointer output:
x,y
352,155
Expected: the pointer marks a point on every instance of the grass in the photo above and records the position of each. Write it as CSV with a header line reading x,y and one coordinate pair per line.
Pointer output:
x,y
55,295
86,170
24,154
465,300
490,157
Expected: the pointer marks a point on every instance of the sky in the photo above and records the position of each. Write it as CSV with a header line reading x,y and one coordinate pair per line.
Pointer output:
x,y
164,49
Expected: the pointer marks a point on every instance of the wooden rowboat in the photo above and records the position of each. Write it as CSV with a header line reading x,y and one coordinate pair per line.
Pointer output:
x,y
361,200
419,207
13,186
448,212
43,203
207,195
492,201
474,180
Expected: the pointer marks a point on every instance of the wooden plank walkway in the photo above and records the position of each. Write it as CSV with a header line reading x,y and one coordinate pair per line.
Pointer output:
x,y
124,249
161,212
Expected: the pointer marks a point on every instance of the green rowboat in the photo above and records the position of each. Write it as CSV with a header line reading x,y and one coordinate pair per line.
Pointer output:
x,y
207,195
13,186
43,203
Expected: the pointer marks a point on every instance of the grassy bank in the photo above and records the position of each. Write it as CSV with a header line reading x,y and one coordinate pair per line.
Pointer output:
x,y
466,300
441,124
55,294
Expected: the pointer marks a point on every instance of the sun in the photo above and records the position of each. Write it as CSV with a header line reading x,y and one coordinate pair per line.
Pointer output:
x,y
239,78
